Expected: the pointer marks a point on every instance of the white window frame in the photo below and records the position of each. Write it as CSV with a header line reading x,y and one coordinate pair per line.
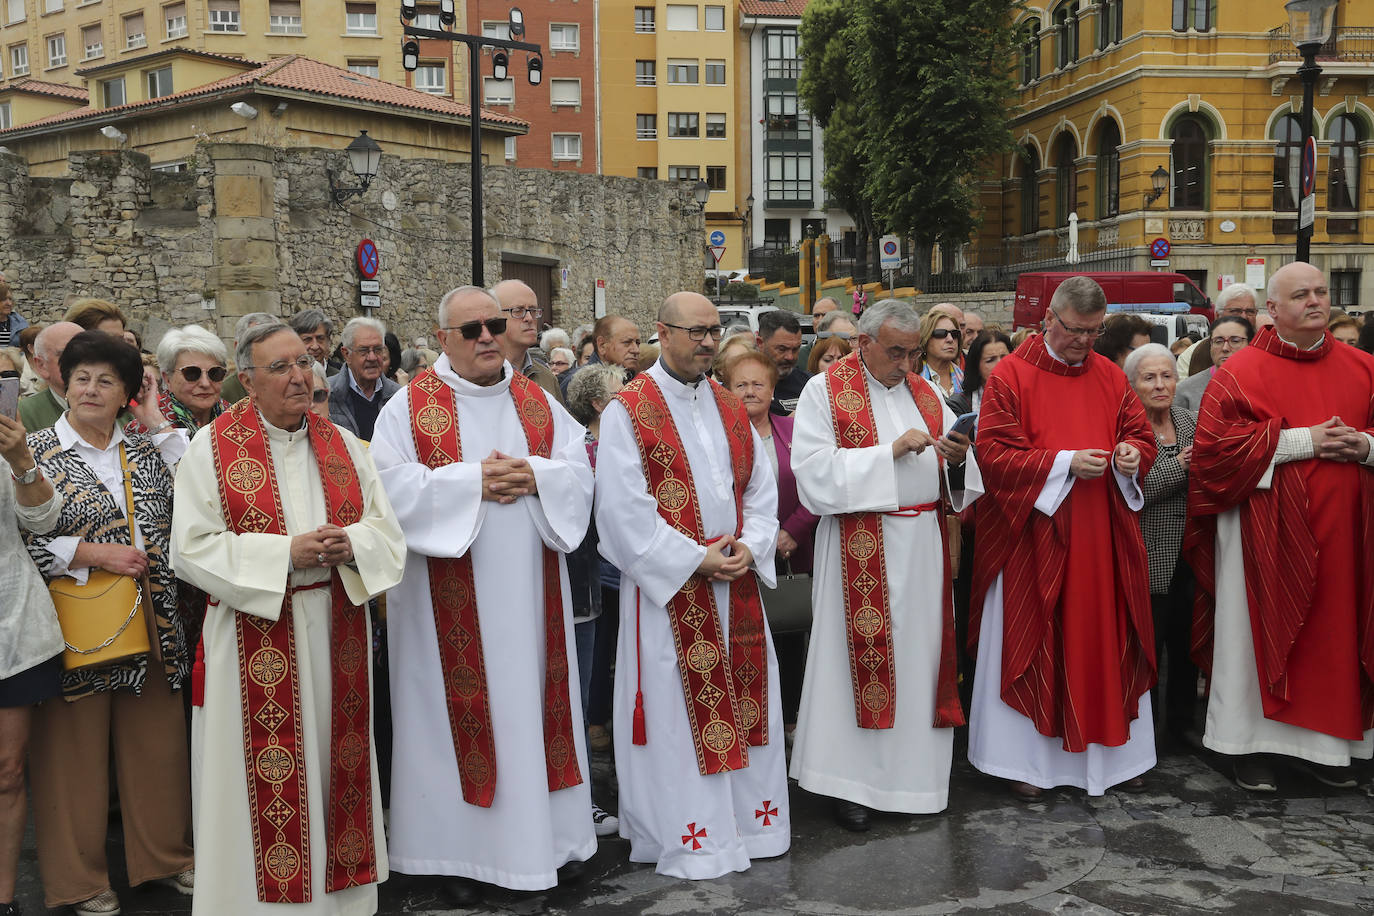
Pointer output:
x,y
561,29
148,82
646,133
105,92
52,6
226,21
428,68
649,79
706,19
565,155
428,19
679,12
6,118
53,59
285,25
175,26
10,18
649,27
557,103
366,69
489,99
91,52
134,39
510,149
493,28
360,23
18,68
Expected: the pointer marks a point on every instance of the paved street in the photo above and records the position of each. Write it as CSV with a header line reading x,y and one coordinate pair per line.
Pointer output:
x,y
1193,843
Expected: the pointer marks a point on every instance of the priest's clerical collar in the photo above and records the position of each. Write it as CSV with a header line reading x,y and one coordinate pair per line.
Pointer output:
x,y
290,432
1050,351
1320,340
690,383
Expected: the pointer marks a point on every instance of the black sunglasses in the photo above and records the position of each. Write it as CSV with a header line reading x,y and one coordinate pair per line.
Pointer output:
x,y
192,373
473,329
942,333
319,395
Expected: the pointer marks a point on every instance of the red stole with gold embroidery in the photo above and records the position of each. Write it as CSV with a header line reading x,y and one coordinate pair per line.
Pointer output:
x,y
453,589
867,612
727,695
274,753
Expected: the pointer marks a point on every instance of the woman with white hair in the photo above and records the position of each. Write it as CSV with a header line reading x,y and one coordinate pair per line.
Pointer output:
x,y
192,362
1152,374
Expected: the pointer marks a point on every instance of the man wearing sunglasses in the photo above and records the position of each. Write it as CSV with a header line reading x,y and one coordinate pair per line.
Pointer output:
x,y
490,478
520,308
358,392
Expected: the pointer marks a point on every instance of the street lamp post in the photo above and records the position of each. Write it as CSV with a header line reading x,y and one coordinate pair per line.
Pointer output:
x,y
1309,25
1159,183
475,43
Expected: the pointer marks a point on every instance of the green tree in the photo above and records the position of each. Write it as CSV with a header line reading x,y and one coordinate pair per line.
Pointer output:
x,y
914,98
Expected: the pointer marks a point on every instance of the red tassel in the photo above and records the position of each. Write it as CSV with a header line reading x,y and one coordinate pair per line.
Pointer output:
x,y
198,675
640,737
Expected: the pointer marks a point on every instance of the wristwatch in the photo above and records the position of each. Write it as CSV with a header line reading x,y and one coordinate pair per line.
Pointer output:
x,y
27,477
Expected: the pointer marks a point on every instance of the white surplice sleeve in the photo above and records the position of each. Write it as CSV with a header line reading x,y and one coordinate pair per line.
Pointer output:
x,y
833,480
562,508
963,497
633,536
247,572
379,547
760,529
441,510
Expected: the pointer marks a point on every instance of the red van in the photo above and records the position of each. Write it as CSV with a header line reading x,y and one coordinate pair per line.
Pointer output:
x,y
1141,288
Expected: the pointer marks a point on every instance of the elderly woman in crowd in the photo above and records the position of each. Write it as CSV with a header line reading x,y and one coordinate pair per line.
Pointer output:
x,y
1151,371
1122,334
1345,329
825,352
940,352
752,376
319,392
192,362
1229,334
129,707
988,349
30,640
97,315
1236,301
738,342
560,360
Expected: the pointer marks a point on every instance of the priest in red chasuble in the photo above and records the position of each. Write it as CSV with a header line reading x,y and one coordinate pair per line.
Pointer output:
x,y
490,478
686,508
873,455
1061,592
1281,524
280,517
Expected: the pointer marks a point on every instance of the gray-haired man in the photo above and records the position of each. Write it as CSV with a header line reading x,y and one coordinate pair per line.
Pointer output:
x,y
357,393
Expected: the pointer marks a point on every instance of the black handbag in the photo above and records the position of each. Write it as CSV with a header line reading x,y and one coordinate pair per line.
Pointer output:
x,y
788,607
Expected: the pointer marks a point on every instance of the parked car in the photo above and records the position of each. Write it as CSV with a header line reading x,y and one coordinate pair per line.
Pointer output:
x,y
1123,288
1169,320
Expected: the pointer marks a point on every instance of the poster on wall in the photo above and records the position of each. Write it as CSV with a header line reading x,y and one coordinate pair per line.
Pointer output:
x,y
1254,273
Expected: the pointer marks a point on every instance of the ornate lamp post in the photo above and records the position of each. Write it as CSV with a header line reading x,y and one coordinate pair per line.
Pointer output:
x,y
364,155
1309,25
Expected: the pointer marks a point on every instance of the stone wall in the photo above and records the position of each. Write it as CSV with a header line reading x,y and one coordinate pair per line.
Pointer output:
x,y
253,228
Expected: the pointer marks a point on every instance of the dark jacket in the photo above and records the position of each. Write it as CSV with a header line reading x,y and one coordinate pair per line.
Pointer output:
x,y
341,400
788,391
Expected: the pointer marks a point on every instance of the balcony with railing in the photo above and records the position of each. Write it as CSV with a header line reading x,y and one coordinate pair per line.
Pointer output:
x,y
1347,43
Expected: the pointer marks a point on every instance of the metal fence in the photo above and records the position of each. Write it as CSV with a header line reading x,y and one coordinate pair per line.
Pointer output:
x,y
1345,43
989,267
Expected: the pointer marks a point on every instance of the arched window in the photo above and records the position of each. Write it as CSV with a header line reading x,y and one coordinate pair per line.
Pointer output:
x,y
1189,164
1108,23
1287,162
1030,190
1065,179
1108,170
1030,51
1344,192
1199,15
1065,33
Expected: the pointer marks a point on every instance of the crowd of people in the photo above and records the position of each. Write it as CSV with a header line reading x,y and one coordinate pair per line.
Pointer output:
x,y
391,598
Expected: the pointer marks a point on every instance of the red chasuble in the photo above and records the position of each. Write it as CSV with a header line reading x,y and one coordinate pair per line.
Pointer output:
x,y
453,589
1308,576
726,693
867,612
1078,639
269,680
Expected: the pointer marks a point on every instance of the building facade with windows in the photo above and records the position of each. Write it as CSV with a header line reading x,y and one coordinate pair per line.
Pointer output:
x,y
671,94
1205,92
562,109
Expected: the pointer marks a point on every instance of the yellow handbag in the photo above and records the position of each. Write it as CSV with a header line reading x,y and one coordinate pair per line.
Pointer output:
x,y
106,614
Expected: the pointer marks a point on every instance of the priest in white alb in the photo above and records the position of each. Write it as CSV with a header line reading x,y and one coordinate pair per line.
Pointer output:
x,y
280,517
687,510
492,484
874,454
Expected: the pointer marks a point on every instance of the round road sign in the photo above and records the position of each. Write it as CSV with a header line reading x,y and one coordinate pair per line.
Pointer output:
x,y
1309,166
889,248
717,237
1159,248
368,259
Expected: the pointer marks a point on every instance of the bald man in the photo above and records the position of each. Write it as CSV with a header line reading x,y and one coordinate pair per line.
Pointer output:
x,y
698,713
824,305
520,307
41,410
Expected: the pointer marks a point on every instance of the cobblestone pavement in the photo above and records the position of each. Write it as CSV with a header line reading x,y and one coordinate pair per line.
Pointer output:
x,y
1192,843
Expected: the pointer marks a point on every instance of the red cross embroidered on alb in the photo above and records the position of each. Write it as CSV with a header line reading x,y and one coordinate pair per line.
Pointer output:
x,y
766,813
694,836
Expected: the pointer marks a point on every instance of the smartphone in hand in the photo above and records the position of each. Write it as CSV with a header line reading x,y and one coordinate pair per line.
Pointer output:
x,y
9,397
964,426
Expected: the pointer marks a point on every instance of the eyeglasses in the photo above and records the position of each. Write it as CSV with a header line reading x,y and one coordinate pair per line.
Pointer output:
x,y
367,351
942,333
842,335
192,373
1235,342
320,395
1080,333
521,312
472,330
1245,313
283,366
699,332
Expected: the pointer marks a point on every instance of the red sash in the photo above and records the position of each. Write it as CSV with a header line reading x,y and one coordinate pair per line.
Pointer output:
x,y
453,589
720,703
269,685
867,612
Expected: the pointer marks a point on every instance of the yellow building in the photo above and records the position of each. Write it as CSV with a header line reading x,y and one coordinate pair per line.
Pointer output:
x,y
670,97
165,102
1206,93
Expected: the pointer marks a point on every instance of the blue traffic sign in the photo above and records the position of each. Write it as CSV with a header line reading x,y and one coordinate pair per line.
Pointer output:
x,y
717,237
1309,166
1159,248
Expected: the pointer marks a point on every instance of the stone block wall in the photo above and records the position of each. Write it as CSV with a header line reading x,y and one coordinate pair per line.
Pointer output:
x,y
253,228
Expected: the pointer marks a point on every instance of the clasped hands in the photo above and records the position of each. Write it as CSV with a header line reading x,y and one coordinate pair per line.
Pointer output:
x,y
1092,463
726,560
326,546
1334,441
953,446
504,479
